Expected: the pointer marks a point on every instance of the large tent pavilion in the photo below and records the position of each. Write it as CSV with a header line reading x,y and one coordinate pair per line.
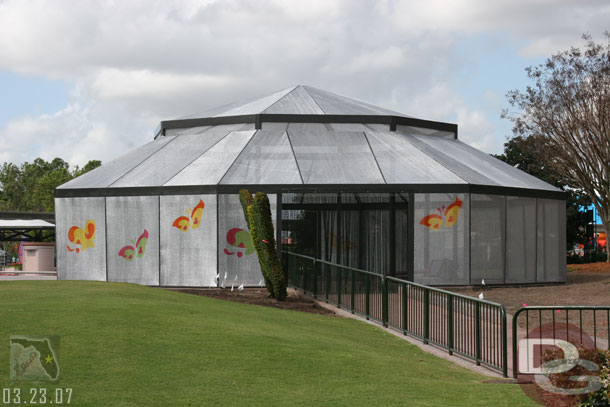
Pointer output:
x,y
349,182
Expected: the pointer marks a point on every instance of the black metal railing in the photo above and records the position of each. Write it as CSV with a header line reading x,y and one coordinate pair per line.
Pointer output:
x,y
472,328
585,326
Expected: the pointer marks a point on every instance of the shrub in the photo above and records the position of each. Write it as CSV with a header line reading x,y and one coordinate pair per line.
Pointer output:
x,y
257,212
566,380
266,232
602,396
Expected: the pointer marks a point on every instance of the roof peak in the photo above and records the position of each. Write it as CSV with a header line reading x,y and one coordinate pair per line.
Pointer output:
x,y
303,104
297,99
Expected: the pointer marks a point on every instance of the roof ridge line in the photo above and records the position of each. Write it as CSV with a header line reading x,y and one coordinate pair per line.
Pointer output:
x,y
312,98
374,157
269,107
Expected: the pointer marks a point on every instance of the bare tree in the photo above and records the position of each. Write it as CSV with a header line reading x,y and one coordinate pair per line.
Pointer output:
x,y
567,108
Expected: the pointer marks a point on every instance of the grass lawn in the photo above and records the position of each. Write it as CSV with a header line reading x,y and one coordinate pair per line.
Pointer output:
x,y
129,345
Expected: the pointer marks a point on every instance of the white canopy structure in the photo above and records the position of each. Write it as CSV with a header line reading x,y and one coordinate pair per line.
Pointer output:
x,y
350,182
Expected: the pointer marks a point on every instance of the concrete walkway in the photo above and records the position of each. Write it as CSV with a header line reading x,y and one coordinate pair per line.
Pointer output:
x,y
26,277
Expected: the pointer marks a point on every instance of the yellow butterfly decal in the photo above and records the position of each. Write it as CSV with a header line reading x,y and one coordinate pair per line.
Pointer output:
x,y
184,223
434,221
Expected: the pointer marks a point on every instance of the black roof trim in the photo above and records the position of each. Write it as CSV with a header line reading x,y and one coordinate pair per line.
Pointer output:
x,y
320,188
258,119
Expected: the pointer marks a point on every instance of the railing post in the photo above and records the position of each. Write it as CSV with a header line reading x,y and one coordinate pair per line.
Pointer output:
x,y
339,287
352,287
302,275
315,279
504,344
384,301
426,315
450,323
515,333
404,308
477,318
327,279
368,292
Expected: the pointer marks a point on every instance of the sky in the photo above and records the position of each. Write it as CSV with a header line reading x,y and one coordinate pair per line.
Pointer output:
x,y
84,80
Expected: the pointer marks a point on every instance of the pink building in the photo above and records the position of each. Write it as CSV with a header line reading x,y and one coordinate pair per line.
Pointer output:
x,y
38,256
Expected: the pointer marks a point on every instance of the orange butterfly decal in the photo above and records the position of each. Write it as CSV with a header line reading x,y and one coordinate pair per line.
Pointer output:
x,y
83,237
434,221
184,223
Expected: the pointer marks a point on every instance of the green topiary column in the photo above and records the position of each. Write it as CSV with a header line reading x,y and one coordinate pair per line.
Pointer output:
x,y
257,212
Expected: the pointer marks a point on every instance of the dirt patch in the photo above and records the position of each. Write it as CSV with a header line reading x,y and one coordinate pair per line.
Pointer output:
x,y
588,284
259,296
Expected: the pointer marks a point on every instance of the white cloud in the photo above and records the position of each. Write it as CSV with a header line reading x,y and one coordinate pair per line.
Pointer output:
x,y
474,127
78,133
133,63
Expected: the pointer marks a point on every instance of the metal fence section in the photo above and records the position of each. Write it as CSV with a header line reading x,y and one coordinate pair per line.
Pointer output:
x,y
472,328
583,326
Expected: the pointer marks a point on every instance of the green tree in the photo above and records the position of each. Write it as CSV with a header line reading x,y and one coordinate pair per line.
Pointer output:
x,y
567,111
11,191
31,186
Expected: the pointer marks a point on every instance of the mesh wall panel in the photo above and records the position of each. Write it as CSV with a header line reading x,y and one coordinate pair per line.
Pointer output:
x,y
402,240
520,240
237,259
441,239
81,245
349,238
327,235
133,239
551,241
188,257
375,241
487,239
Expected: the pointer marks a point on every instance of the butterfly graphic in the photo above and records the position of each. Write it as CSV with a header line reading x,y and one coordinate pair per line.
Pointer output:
x,y
434,221
83,237
128,252
239,238
183,222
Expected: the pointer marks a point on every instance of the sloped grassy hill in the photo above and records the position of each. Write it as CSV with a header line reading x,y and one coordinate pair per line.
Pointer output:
x,y
129,345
